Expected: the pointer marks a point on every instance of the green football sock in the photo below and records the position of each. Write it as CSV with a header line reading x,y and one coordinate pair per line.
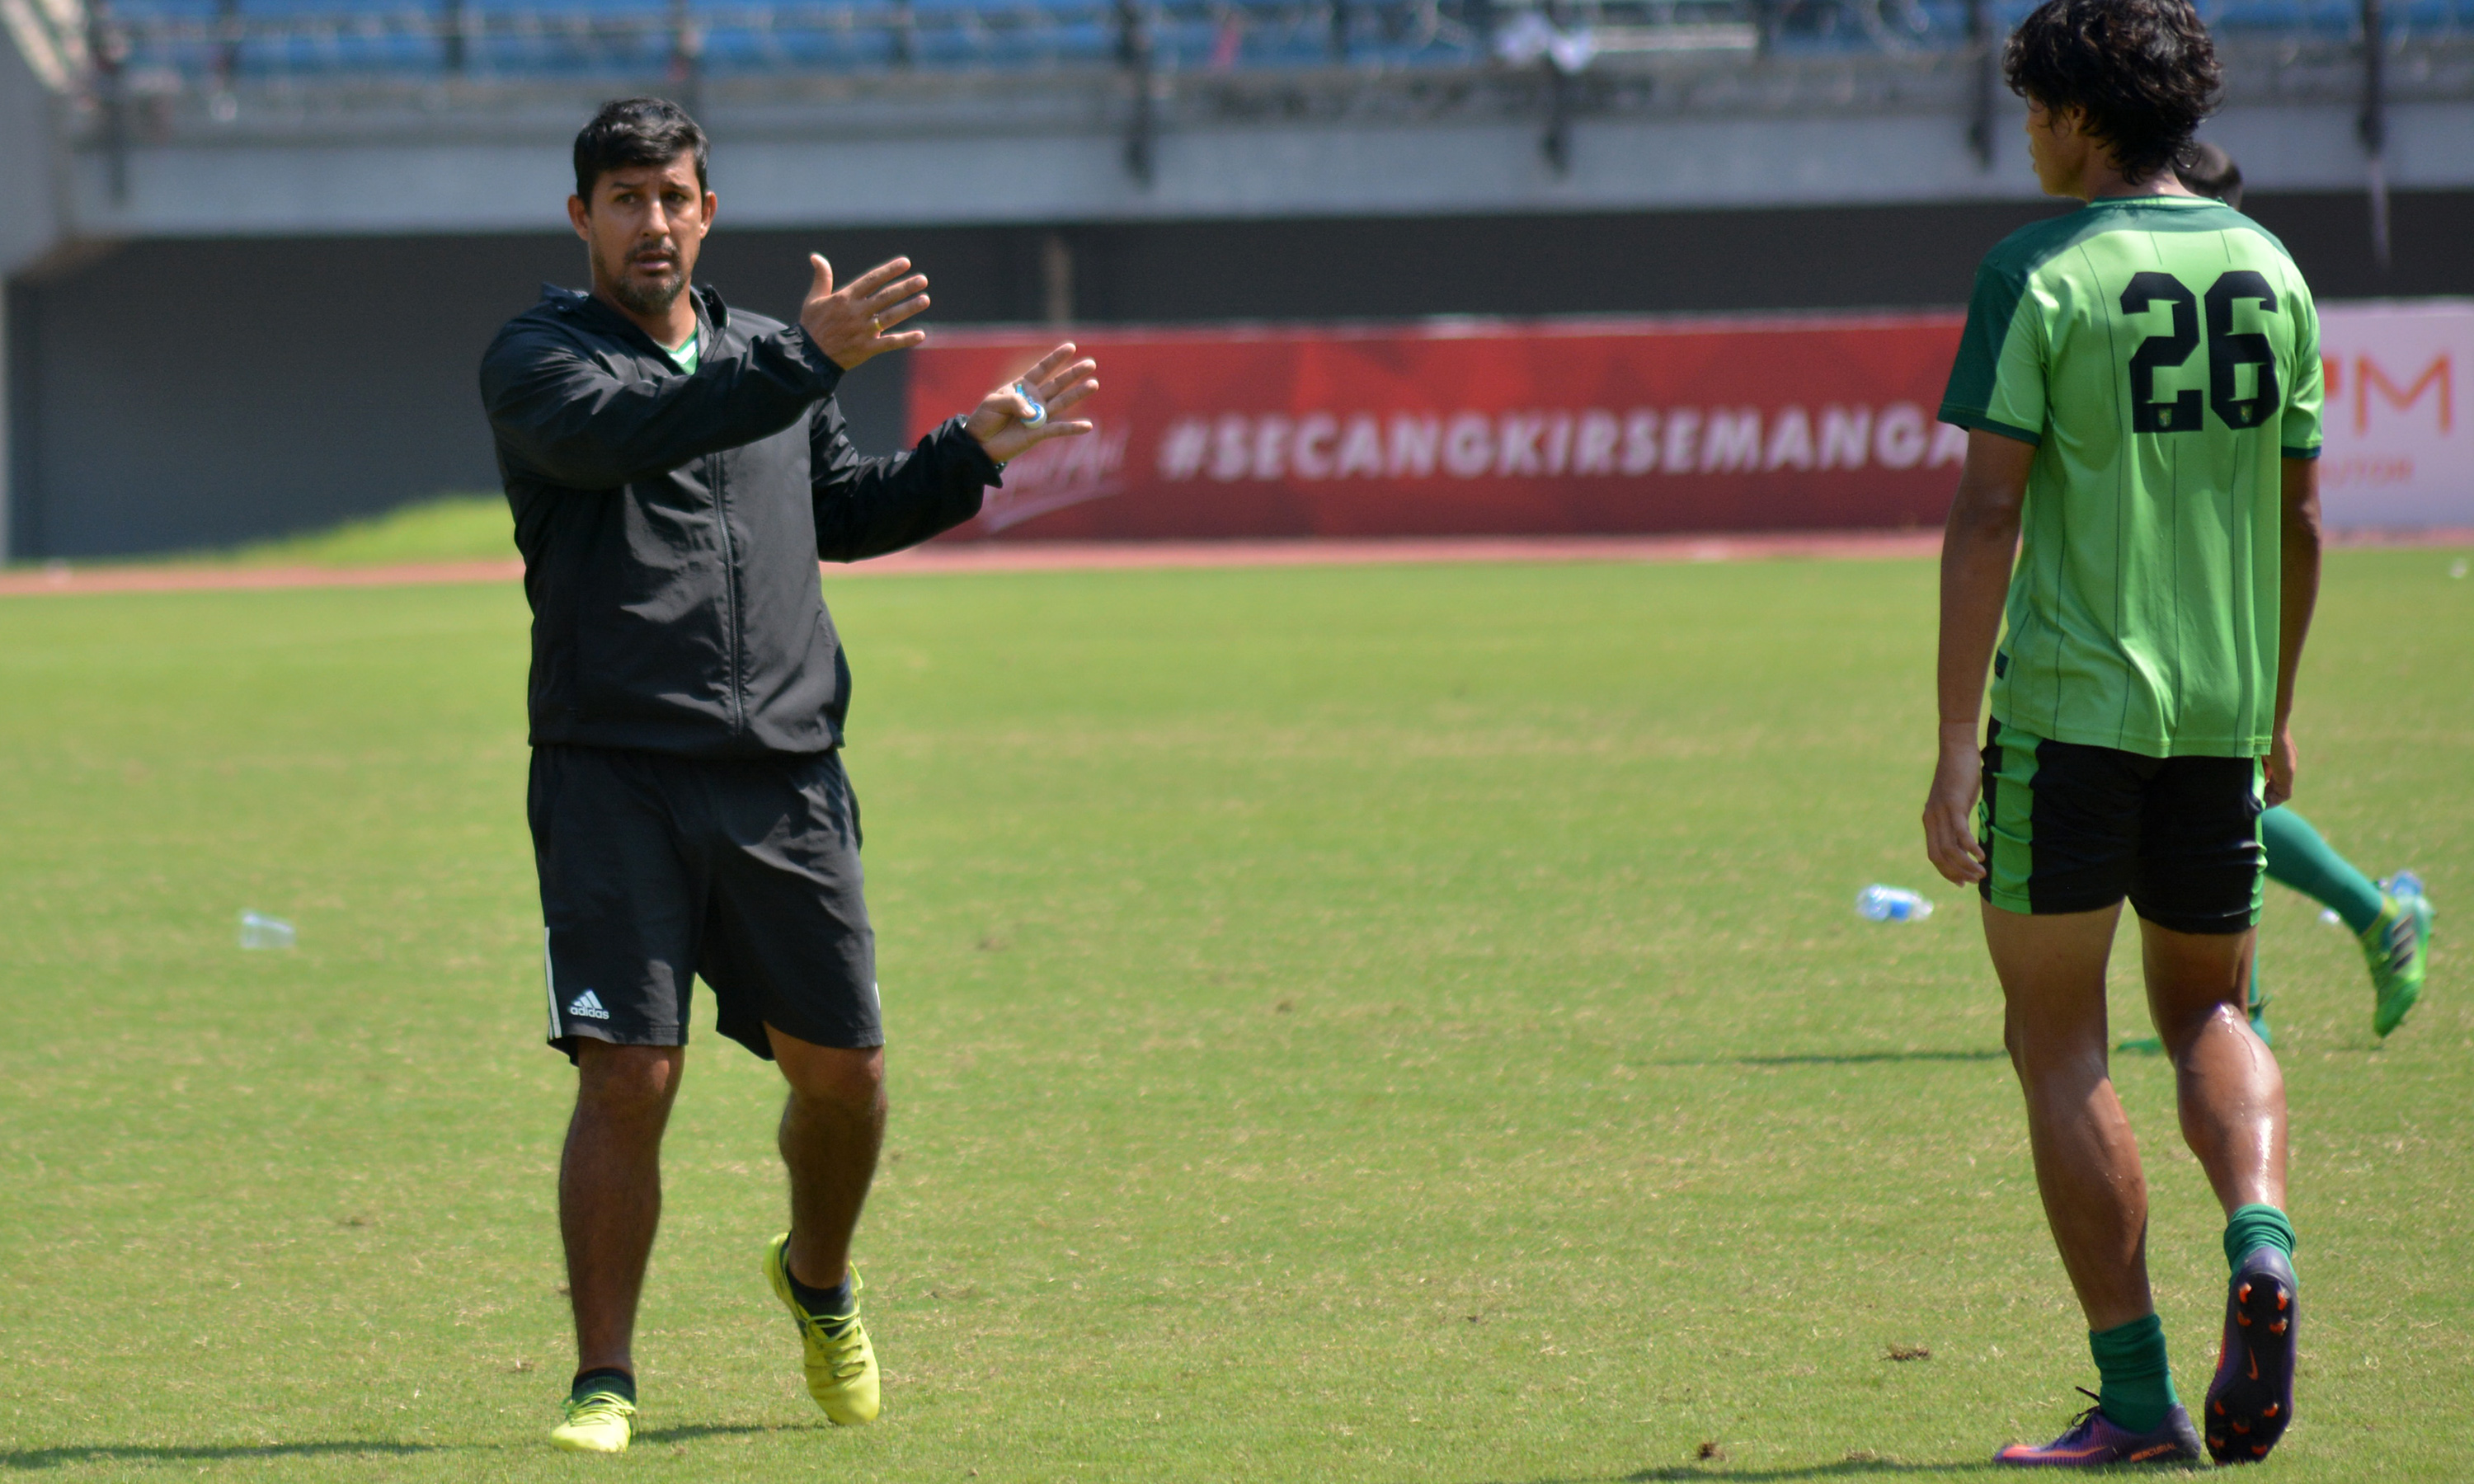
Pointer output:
x,y
2252,1227
2298,858
2135,1388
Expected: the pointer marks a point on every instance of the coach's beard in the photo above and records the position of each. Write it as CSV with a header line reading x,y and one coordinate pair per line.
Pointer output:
x,y
638,297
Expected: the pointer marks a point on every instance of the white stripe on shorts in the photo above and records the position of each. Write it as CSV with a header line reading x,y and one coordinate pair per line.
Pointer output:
x,y
550,984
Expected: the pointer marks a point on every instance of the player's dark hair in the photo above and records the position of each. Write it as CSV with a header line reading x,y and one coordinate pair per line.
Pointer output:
x,y
636,132
2145,71
2212,172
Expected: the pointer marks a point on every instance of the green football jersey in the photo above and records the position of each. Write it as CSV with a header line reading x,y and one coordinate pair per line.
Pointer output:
x,y
2162,354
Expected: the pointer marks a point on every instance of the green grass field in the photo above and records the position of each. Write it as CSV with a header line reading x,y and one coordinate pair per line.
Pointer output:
x,y
1370,1024
449,528
443,528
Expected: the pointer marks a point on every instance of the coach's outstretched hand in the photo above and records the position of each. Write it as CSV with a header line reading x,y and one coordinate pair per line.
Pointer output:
x,y
1059,381
1949,832
849,326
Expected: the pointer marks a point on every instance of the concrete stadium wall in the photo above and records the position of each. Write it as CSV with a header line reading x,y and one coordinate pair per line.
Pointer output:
x,y
892,164
171,395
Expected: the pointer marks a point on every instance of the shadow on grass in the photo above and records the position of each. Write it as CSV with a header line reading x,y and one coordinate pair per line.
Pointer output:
x,y
1868,1058
1844,1469
35,1458
693,1431
30,1460
1835,1059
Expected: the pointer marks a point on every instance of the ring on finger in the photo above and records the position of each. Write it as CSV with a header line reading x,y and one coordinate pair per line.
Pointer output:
x,y
876,323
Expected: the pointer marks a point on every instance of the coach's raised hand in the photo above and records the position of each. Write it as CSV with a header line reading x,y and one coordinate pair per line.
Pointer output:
x,y
849,324
1059,381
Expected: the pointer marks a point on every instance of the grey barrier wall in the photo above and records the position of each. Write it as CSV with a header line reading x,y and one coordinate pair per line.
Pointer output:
x,y
168,396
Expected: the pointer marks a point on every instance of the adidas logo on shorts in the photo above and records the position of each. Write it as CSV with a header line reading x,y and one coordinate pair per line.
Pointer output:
x,y
587,1005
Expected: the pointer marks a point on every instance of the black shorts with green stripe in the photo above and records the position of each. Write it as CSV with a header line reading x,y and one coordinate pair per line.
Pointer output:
x,y
2068,827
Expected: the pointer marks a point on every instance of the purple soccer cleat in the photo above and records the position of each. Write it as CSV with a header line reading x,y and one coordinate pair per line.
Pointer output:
x,y
2251,1399
2096,1442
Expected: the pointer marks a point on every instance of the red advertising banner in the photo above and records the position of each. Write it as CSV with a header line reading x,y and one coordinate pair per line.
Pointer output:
x,y
1475,428
2400,441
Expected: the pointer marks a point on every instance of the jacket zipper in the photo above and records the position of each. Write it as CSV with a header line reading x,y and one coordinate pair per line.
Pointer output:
x,y
729,594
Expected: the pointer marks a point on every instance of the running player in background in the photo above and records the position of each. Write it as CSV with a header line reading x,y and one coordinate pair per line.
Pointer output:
x,y
2141,384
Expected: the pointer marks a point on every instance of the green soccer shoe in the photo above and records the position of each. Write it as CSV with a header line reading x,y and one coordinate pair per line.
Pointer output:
x,y
840,1362
2395,947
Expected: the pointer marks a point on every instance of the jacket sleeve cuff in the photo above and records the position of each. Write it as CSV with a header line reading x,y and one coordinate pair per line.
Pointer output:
x,y
804,352
954,442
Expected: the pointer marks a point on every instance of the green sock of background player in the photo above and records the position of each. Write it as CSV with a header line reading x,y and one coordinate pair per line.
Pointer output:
x,y
2298,858
2392,930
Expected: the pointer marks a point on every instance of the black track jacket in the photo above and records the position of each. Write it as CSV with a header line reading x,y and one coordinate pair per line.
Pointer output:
x,y
671,525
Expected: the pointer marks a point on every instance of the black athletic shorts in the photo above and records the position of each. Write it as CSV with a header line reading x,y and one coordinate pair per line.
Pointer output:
x,y
2068,827
656,869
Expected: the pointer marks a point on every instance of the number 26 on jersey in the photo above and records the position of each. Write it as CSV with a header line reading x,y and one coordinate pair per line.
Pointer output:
x,y
2228,352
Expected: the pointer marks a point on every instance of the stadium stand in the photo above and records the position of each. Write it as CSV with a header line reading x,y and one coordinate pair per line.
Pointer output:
x,y
208,46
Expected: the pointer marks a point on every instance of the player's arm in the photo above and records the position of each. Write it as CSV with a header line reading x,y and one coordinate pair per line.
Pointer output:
x,y
866,507
2297,595
1978,546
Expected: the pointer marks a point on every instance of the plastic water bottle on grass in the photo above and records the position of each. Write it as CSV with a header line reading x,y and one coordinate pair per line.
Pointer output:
x,y
1878,904
264,932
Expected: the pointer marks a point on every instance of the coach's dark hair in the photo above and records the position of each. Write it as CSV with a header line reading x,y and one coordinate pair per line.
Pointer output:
x,y
636,132
2144,70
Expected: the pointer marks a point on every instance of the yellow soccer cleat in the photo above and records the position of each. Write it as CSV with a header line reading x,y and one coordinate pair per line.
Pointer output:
x,y
601,1422
842,1364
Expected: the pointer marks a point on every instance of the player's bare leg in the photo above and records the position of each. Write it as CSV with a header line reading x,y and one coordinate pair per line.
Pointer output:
x,y
833,1125
2232,1098
2230,1090
2052,971
609,1190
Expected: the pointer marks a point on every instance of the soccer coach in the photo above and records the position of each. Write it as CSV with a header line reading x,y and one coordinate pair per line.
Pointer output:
x,y
676,470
